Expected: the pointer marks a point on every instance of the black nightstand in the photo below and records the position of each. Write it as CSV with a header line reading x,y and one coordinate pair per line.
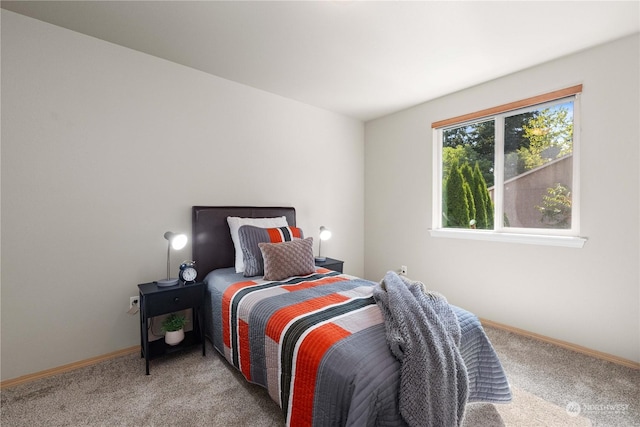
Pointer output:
x,y
331,264
155,301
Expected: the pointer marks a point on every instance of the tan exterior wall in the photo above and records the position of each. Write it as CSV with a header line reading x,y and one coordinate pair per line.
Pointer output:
x,y
523,193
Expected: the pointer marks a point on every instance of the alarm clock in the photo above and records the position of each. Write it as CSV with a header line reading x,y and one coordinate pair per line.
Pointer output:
x,y
188,272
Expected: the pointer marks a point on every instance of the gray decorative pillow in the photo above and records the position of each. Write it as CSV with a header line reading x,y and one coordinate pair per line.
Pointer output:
x,y
235,223
286,259
249,236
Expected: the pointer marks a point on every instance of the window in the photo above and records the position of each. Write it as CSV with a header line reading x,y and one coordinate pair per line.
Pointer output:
x,y
511,172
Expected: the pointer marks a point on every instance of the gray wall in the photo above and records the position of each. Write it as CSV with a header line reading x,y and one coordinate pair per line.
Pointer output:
x,y
587,296
105,148
98,161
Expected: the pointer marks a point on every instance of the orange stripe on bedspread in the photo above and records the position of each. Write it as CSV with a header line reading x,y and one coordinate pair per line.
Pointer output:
x,y
244,348
226,307
309,356
313,283
282,317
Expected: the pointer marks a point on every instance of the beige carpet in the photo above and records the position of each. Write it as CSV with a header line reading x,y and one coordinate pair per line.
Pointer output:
x,y
528,410
188,389
559,383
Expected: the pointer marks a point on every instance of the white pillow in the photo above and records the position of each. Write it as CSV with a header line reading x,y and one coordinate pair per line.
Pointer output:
x,y
236,222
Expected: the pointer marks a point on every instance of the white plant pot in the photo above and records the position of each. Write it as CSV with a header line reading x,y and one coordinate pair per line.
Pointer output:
x,y
174,337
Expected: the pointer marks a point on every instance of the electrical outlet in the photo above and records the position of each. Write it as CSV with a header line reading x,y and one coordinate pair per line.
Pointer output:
x,y
134,302
403,270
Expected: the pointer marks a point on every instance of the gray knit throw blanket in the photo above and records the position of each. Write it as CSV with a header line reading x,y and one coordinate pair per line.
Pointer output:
x,y
423,333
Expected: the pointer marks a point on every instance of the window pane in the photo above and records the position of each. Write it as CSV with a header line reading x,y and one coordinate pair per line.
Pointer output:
x,y
468,167
538,168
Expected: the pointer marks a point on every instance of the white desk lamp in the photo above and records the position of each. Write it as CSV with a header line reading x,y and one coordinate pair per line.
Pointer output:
x,y
177,242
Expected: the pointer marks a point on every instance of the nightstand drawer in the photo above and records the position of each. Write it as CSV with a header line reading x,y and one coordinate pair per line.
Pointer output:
x,y
173,300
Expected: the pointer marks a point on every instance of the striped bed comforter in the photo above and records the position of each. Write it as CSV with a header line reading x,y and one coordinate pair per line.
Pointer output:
x,y
317,344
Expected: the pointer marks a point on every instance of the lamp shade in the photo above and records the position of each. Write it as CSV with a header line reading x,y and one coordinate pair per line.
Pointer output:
x,y
325,233
177,242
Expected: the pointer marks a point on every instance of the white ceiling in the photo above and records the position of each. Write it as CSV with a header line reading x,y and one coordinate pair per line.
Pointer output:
x,y
364,59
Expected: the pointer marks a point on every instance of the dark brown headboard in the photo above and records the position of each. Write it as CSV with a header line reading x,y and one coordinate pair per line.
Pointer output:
x,y
211,240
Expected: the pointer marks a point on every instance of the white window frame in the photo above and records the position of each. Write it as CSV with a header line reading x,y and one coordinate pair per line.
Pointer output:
x,y
536,236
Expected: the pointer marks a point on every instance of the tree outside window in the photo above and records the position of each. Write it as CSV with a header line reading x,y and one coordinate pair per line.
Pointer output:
x,y
536,177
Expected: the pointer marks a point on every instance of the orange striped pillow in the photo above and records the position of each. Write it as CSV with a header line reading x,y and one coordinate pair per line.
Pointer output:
x,y
250,236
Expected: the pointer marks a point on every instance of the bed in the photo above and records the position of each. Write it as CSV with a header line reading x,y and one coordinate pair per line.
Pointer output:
x,y
316,341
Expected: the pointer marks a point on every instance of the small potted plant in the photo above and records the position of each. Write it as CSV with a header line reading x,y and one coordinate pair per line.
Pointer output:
x,y
173,326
